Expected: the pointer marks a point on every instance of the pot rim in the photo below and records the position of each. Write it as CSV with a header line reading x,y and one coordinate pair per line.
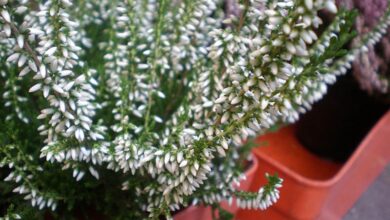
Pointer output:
x,y
381,128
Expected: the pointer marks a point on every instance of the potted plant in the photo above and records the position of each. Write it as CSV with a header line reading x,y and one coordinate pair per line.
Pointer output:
x,y
137,109
336,149
317,180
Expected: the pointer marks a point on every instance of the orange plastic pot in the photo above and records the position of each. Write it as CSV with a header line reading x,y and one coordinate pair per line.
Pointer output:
x,y
314,188
205,213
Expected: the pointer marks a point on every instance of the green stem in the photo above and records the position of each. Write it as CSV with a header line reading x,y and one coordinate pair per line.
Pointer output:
x,y
156,55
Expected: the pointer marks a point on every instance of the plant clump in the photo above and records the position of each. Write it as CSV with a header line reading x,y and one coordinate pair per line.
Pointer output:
x,y
138,108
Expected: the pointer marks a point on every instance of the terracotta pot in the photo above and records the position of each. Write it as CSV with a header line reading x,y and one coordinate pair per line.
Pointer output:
x,y
315,188
205,213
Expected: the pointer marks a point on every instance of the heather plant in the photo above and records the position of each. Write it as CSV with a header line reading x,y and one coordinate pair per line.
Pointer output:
x,y
138,108
371,68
